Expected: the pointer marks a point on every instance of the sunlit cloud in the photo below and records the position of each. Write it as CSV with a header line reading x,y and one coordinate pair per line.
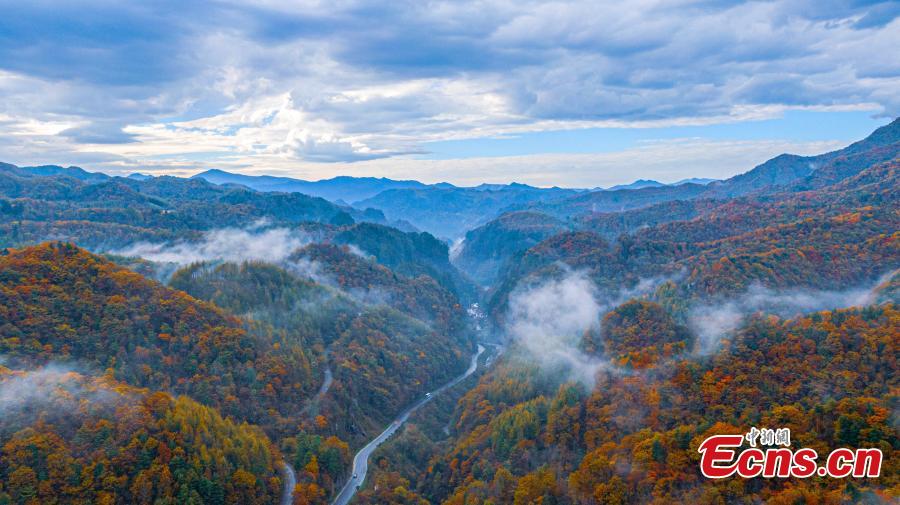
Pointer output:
x,y
308,87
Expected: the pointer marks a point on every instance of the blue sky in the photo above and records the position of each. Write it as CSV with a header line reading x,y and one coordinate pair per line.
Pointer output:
x,y
571,93
797,126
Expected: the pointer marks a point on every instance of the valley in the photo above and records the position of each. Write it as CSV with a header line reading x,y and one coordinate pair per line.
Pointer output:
x,y
453,252
361,459
225,339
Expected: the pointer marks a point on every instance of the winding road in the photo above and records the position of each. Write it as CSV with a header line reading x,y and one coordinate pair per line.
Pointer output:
x,y
361,460
326,385
290,481
287,471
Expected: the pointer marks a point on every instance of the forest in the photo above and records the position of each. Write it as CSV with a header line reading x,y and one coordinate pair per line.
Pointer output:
x,y
169,340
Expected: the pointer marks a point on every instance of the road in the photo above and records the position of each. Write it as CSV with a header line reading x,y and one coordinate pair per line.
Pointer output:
x,y
287,471
361,460
313,405
290,481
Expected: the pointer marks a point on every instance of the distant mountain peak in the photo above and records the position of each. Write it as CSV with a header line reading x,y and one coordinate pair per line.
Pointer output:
x,y
343,188
638,184
212,171
703,181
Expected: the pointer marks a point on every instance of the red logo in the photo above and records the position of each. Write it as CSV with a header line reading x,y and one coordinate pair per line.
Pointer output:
x,y
721,457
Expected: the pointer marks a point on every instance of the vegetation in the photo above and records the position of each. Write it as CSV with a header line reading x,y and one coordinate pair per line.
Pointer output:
x,y
829,377
115,388
95,440
59,302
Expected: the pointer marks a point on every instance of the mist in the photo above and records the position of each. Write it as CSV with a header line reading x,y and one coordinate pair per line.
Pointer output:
x,y
304,267
225,244
713,321
549,321
51,391
456,248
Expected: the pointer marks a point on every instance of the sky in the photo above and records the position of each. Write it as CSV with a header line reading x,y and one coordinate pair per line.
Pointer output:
x,y
577,93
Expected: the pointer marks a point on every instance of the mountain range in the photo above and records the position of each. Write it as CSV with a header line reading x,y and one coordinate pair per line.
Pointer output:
x,y
449,211
173,340
342,189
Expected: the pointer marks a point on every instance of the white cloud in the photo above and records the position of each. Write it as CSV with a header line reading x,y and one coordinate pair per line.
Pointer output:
x,y
55,389
226,244
549,321
714,321
267,85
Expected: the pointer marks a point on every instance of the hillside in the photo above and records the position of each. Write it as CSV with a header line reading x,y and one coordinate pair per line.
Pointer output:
x,y
711,209
486,249
408,253
450,212
706,325
75,438
60,302
355,318
634,335
261,370
634,438
63,307
119,211
840,236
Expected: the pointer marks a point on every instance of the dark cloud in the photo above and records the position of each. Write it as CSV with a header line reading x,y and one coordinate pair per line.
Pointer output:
x,y
105,43
98,133
490,65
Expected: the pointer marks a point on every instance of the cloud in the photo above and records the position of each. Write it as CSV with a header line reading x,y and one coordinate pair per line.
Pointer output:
x,y
54,391
98,133
225,244
549,320
305,267
355,80
714,321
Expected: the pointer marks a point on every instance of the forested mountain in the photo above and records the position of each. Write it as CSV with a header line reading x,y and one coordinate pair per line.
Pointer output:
x,y
73,438
54,170
839,236
633,438
239,339
486,248
708,315
411,254
346,190
61,304
355,318
450,212
638,184
419,296
115,212
837,179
